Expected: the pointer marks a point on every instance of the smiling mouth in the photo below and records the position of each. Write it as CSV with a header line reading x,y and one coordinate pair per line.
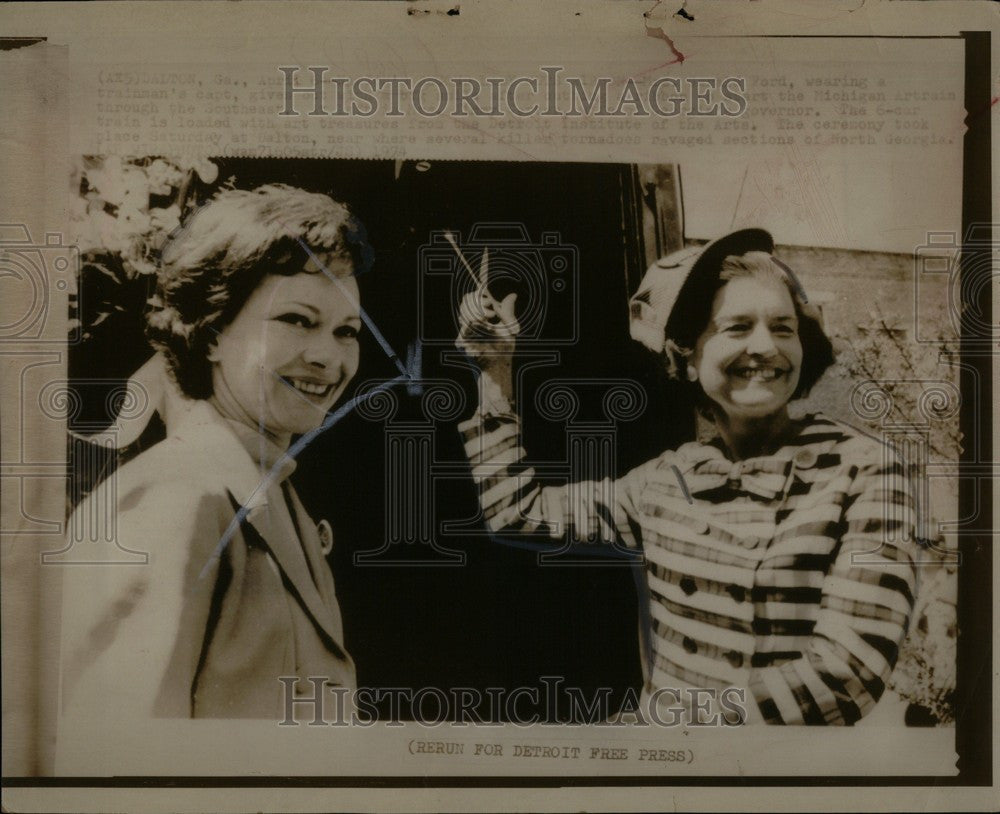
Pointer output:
x,y
314,390
757,373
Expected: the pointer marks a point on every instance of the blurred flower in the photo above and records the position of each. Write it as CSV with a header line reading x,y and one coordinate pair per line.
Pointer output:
x,y
165,219
135,189
105,228
133,221
113,223
135,258
120,184
107,179
207,171
163,177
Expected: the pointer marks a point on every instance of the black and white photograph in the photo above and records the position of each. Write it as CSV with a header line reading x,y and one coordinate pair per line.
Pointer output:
x,y
532,444
296,506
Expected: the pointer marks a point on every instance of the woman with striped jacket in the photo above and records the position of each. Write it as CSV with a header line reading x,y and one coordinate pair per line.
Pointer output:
x,y
777,556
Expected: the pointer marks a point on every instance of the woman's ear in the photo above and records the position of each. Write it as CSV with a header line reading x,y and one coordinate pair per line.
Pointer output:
x,y
692,373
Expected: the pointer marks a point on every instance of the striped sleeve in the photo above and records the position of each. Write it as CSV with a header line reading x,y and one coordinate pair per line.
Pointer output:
x,y
867,596
512,498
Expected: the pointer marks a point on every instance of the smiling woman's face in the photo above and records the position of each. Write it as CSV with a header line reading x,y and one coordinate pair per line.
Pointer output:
x,y
292,349
749,357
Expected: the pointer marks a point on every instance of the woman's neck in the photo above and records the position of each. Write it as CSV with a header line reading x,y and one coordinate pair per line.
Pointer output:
x,y
750,437
226,403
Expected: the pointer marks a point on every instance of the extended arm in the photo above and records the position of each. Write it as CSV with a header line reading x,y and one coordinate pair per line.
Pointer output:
x,y
510,494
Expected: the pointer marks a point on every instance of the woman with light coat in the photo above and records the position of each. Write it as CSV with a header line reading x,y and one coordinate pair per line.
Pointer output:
x,y
227,604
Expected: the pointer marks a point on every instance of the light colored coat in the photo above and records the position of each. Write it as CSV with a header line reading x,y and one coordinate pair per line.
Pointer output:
x,y
222,607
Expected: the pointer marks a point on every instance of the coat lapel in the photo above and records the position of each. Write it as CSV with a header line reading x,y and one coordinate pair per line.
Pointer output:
x,y
316,558
276,529
252,488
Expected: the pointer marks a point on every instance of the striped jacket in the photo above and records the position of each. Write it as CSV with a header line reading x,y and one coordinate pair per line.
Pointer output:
x,y
788,576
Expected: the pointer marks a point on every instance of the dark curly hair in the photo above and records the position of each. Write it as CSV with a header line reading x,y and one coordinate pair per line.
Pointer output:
x,y
817,350
212,264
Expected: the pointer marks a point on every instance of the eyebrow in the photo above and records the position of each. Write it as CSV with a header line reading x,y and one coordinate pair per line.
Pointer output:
x,y
307,305
745,317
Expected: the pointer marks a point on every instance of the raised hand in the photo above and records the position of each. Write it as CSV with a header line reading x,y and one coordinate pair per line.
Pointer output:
x,y
488,328
487,332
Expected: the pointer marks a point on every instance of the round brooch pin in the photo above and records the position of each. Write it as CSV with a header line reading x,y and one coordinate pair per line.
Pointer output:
x,y
325,531
805,459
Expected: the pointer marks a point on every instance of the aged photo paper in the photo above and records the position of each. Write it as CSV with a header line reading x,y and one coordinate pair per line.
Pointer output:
x,y
485,406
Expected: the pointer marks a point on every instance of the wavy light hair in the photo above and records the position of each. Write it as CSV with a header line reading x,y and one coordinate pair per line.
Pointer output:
x,y
212,264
